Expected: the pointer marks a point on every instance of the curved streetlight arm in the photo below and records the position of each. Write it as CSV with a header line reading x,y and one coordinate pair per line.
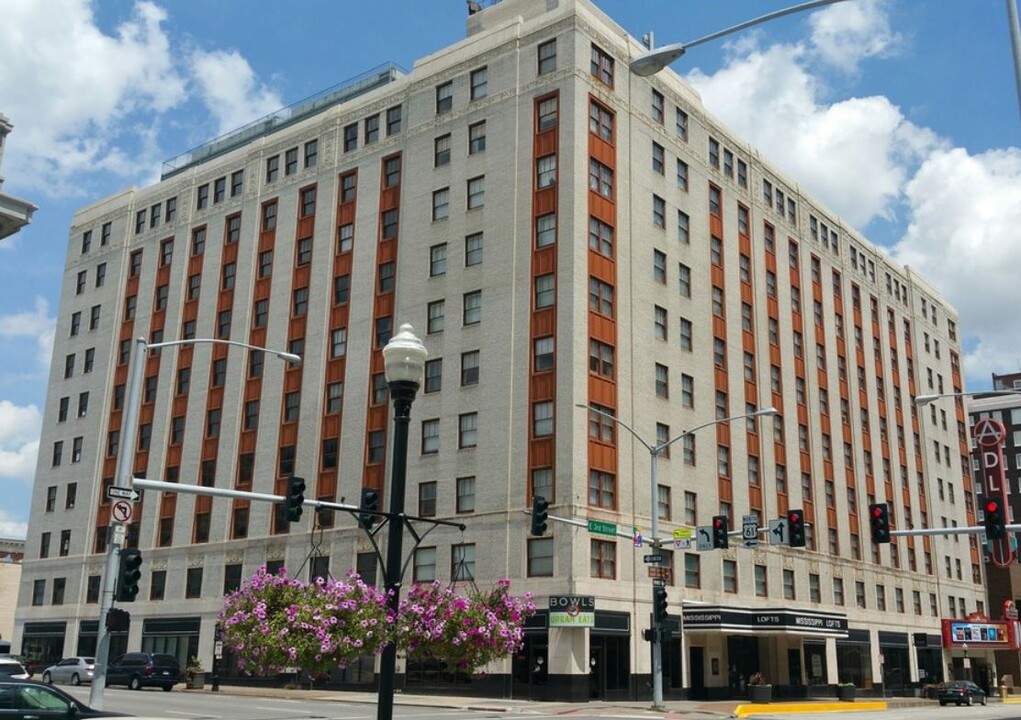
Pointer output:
x,y
620,422
289,357
765,412
925,399
651,62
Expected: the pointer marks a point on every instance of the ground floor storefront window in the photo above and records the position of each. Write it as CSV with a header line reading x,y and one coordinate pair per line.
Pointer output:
x,y
172,636
43,642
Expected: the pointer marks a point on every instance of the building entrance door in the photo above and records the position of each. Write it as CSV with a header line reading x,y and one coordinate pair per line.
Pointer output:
x,y
530,668
696,665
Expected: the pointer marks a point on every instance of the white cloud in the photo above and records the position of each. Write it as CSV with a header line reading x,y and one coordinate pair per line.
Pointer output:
x,y
229,88
11,528
68,87
810,140
19,440
963,237
846,33
37,325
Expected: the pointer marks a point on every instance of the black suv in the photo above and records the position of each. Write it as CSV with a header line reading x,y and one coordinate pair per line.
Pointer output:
x,y
138,670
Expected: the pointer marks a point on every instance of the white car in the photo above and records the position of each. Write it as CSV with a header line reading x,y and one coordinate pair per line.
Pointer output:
x,y
12,669
75,670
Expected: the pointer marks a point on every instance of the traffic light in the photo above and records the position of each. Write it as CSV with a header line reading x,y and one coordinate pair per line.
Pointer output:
x,y
129,574
294,499
995,520
721,526
879,517
660,605
540,514
370,501
117,620
796,528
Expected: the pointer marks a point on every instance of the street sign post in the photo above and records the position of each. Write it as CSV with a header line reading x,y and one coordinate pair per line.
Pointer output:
x,y
602,528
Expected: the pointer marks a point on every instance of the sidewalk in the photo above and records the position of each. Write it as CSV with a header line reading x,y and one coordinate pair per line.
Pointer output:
x,y
674,708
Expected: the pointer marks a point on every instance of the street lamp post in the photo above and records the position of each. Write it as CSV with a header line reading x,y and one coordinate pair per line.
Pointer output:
x,y
404,362
654,452
651,62
124,479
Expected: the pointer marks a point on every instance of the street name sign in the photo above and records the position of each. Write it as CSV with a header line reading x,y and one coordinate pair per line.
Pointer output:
x,y
602,528
653,559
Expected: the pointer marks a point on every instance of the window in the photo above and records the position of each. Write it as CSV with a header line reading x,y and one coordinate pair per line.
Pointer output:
x,y
441,150
86,241
434,323
658,211
788,585
393,120
345,238
438,260
371,129
600,121
272,168
69,366
260,313
387,278
545,290
601,426
338,343
237,180
430,436
600,359
547,113
472,308
600,237
201,198
441,204
659,266
692,571
682,174
308,202
433,375
476,192
233,229
681,125
424,569
714,201
140,219
76,320
729,576
350,137
193,583
604,559
761,581
714,153
465,488
467,430
389,223
540,557
473,249
546,171
392,171
602,67
663,491
348,187
384,330
81,282
659,316
265,263
600,178
600,297
470,368
542,357
547,55
219,190
311,153
444,97
427,499
334,397
658,158
662,381
657,106
291,161
479,83
542,419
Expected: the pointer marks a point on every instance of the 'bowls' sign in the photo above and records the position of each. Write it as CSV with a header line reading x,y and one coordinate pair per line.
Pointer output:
x,y
572,611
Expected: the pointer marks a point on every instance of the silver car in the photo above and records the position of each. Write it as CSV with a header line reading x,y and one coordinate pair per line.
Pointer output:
x,y
75,670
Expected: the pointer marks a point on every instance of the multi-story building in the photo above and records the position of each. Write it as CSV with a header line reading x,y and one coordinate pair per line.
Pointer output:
x,y
12,550
1003,584
595,239
14,212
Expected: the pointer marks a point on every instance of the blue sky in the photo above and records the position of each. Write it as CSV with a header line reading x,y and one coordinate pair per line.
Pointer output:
x,y
902,116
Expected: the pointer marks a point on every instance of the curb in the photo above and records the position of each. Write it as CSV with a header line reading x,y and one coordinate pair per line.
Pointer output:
x,y
803,707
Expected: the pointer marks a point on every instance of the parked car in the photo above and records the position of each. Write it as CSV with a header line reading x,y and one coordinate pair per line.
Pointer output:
x,y
961,692
12,669
74,670
138,670
29,666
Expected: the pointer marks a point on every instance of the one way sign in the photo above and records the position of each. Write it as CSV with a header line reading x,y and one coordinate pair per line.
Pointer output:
x,y
778,531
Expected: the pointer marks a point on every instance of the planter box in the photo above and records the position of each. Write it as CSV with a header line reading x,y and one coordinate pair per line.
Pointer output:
x,y
760,693
846,693
196,681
